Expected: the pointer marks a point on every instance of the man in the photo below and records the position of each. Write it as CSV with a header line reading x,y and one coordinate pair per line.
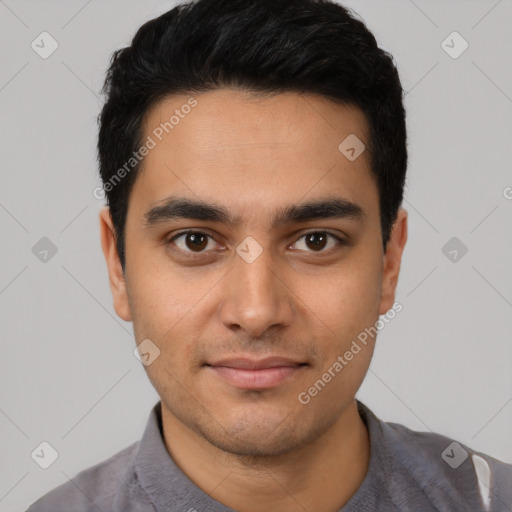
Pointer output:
x,y
253,156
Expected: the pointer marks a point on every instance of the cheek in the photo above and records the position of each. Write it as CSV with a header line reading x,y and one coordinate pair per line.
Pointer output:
x,y
349,306
156,310
162,295
168,309
347,299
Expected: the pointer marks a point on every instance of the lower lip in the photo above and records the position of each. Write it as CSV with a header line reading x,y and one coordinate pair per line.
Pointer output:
x,y
256,379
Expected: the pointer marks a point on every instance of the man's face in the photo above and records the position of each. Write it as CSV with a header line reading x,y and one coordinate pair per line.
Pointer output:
x,y
218,304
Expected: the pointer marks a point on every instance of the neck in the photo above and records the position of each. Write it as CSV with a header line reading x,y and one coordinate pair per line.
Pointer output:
x,y
323,475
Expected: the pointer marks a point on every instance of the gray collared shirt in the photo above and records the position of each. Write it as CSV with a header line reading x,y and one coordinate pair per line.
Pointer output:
x,y
408,471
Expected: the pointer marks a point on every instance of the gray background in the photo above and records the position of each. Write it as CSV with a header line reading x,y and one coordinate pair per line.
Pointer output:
x,y
69,376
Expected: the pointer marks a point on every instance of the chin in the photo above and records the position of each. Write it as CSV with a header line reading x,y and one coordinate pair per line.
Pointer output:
x,y
259,436
254,444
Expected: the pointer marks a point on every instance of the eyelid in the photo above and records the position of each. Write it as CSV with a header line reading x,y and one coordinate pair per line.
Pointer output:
x,y
340,240
190,231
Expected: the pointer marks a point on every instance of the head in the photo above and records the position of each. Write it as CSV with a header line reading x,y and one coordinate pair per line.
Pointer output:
x,y
231,119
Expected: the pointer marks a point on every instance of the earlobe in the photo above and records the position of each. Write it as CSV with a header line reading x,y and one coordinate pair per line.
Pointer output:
x,y
115,270
392,261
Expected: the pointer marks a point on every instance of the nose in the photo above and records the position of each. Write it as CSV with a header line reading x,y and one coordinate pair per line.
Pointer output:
x,y
256,296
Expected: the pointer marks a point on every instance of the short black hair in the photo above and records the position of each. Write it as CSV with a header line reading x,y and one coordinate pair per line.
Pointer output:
x,y
260,46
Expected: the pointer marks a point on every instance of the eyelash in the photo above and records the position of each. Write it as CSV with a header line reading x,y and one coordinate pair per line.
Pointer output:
x,y
193,255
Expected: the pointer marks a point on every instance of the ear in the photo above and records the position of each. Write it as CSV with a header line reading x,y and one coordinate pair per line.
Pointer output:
x,y
115,270
392,259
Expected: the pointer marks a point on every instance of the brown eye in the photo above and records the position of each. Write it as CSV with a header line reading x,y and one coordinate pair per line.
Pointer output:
x,y
196,241
192,241
317,241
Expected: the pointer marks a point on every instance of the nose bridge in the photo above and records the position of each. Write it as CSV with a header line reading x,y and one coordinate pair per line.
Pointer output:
x,y
255,297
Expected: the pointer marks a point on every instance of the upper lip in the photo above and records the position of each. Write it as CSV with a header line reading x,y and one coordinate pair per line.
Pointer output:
x,y
256,364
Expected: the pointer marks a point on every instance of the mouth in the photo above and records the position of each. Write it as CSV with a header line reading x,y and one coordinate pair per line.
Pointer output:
x,y
246,373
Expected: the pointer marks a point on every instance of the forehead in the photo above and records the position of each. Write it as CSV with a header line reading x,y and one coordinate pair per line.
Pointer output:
x,y
227,117
252,151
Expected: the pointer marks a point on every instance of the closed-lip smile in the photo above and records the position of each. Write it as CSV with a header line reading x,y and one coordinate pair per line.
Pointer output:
x,y
248,373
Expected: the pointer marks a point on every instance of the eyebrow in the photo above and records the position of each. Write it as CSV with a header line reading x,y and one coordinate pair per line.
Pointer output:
x,y
175,208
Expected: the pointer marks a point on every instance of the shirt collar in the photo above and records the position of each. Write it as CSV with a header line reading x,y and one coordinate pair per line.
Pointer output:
x,y
369,494
169,489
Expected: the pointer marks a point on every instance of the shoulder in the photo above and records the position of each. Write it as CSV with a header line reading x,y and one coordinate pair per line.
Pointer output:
x,y
449,470
97,486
